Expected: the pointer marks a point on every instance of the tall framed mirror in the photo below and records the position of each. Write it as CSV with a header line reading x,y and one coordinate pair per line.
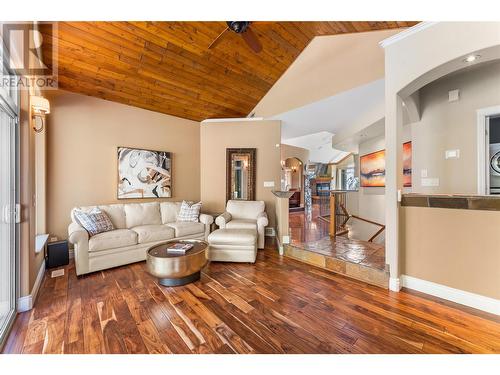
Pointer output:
x,y
240,174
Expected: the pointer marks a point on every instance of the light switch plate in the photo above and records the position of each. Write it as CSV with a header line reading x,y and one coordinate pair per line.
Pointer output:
x,y
430,182
423,173
452,154
453,95
268,183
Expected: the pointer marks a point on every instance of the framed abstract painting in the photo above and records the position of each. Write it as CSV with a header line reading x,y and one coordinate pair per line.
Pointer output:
x,y
372,168
144,173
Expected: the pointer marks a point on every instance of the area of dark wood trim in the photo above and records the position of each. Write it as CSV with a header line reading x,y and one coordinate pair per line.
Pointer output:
x,y
463,202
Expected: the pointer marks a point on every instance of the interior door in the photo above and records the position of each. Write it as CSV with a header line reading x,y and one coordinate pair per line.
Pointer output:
x,y
8,175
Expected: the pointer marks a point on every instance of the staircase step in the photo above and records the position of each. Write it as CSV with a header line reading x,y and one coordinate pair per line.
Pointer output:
x,y
356,271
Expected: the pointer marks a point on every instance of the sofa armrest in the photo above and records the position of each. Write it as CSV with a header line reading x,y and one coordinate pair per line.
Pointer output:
x,y
77,234
223,219
206,219
262,220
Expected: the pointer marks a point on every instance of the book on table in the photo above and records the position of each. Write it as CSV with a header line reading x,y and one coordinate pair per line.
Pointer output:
x,y
179,247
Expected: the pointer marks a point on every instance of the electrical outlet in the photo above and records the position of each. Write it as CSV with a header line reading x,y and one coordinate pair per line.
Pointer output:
x,y
268,183
53,239
423,173
453,95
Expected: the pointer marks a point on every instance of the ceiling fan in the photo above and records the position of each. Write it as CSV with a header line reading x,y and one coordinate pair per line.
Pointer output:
x,y
243,29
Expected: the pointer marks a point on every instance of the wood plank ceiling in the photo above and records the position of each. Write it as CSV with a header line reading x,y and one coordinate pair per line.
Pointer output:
x,y
167,67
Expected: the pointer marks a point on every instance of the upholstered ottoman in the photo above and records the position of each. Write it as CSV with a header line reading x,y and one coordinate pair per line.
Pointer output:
x,y
233,245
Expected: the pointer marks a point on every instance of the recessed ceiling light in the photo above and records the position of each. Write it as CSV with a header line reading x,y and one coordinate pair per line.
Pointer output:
x,y
471,58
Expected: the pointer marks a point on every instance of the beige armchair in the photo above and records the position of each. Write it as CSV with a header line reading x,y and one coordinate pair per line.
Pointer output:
x,y
245,215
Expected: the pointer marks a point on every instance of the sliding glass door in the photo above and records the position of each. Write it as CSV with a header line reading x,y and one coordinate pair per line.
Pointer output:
x,y
8,176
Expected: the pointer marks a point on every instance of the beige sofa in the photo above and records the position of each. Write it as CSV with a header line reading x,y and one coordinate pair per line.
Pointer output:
x,y
245,215
138,226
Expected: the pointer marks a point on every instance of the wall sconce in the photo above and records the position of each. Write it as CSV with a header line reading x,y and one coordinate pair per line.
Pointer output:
x,y
39,108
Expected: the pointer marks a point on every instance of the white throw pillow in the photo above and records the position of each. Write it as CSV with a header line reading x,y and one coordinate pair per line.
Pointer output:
x,y
189,211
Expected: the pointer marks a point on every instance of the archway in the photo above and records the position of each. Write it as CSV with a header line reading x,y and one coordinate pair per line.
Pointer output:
x,y
294,181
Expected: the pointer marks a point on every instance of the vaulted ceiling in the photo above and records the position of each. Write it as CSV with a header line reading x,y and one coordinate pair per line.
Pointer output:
x,y
167,66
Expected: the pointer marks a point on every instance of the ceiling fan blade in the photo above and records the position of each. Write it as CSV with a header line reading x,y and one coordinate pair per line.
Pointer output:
x,y
251,39
218,39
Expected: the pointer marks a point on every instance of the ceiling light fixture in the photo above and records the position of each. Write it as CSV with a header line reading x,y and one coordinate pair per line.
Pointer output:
x,y
471,58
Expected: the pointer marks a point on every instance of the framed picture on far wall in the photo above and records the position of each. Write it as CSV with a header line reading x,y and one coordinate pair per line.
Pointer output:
x,y
372,169
144,173
407,164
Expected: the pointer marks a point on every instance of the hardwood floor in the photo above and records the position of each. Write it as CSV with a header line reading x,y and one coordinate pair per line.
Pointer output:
x,y
277,305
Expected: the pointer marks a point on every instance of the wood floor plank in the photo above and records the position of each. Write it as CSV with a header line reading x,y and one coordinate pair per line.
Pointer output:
x,y
277,305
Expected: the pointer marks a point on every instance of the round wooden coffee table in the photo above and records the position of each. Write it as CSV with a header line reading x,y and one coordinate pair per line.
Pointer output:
x,y
173,269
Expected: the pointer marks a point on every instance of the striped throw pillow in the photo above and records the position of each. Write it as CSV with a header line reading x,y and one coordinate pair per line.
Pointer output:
x,y
94,222
189,211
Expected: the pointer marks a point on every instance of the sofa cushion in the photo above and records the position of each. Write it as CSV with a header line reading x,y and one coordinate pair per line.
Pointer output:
x,y
242,224
112,239
245,209
169,211
187,228
142,214
232,237
94,222
151,233
116,213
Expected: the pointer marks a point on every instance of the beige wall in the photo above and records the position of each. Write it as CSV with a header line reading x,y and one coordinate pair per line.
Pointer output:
x,y
300,153
341,61
412,61
456,248
216,137
30,261
83,134
448,125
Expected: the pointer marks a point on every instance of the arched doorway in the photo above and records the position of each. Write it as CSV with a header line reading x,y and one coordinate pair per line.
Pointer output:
x,y
294,181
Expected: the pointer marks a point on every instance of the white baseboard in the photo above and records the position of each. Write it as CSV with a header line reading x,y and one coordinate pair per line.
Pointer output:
x,y
394,284
25,303
462,297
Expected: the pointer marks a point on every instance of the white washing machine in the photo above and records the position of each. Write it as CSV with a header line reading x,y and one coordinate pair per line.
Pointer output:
x,y
495,168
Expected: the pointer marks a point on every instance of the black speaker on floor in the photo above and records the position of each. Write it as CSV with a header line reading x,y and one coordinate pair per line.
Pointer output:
x,y
57,254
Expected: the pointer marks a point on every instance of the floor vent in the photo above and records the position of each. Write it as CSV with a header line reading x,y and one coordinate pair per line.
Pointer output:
x,y
57,273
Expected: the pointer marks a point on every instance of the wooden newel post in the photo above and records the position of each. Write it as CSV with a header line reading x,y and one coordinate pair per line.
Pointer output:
x,y
332,215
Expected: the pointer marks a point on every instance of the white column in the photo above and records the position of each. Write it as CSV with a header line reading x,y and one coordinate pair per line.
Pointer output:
x,y
393,182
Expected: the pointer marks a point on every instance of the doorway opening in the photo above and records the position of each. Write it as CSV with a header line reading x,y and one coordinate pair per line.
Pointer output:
x,y
493,154
294,182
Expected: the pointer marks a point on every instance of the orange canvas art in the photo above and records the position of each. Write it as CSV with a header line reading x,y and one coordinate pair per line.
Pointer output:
x,y
373,169
407,164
